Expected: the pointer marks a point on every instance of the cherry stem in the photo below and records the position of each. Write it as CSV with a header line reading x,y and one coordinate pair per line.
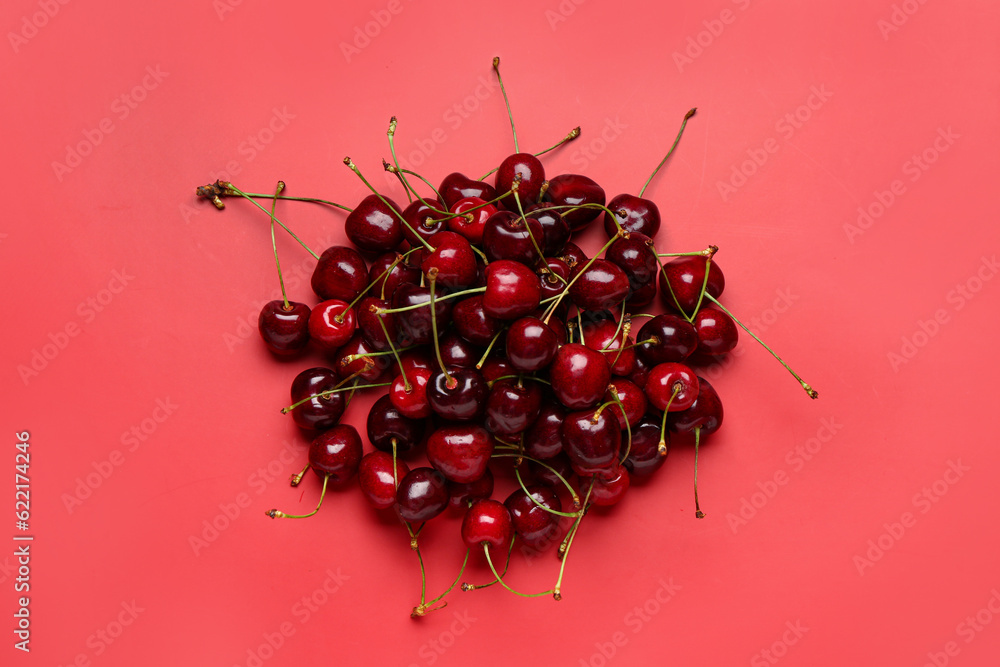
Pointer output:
x,y
426,606
676,141
339,317
524,220
506,566
661,447
403,309
559,297
337,389
809,390
517,377
496,68
697,508
297,477
313,200
450,382
708,252
601,207
572,515
569,487
449,215
275,514
573,134
407,387
628,427
391,133
652,340
274,245
437,194
489,347
556,590
486,549
232,188
353,167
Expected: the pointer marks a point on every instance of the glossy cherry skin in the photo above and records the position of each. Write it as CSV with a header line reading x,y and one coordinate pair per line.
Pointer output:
x,y
341,273
461,451
471,214
386,283
675,339
579,376
350,359
554,278
641,372
508,236
641,215
531,344
608,488
377,480
456,186
641,296
532,174
606,337
705,413
592,445
464,493
511,409
422,495
386,424
322,412
496,367
373,226
462,401
667,377
487,522
377,326
285,332
602,285
456,351
683,281
636,258
555,230
717,333
512,290
632,397
325,330
644,456
543,439
453,259
472,323
336,453
573,255
412,403
424,221
534,524
574,190
415,325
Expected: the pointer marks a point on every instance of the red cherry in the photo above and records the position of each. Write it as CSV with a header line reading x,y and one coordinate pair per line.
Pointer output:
x,y
600,286
592,440
681,281
641,215
462,494
470,223
704,414
318,413
424,220
511,409
422,495
324,328
609,488
376,478
672,384
531,344
530,519
543,439
412,403
285,331
532,174
456,186
340,273
461,452
579,376
453,258
632,397
574,190
512,290
373,226
336,453
717,333
487,522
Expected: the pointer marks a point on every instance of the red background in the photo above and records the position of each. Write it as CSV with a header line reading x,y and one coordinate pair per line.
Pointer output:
x,y
173,329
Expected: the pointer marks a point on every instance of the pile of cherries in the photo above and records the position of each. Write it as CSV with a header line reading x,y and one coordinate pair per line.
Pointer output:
x,y
504,349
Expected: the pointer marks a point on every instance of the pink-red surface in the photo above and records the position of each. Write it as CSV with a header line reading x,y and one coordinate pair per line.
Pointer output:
x,y
843,158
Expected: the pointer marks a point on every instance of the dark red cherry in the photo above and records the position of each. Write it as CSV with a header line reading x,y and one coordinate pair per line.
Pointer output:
x,y
554,468
285,331
608,488
456,186
592,440
415,326
579,376
487,522
511,409
464,493
531,344
555,230
325,329
336,453
377,326
412,403
573,255
644,456
460,451
373,226
340,273
600,286
574,190
641,372
496,367
636,258
554,278
462,398
705,413
664,380
508,236
632,397
471,214
717,333
472,323
681,287
543,439
318,413
355,358
666,337
456,351
386,424
378,480
530,519
425,221
642,295
422,495
606,337
410,360
399,273
641,215
512,290
532,174
453,258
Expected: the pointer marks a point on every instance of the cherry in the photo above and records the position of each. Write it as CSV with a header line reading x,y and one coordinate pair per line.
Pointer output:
x,y
682,278
600,286
579,376
456,187
460,398
543,439
575,190
555,230
462,494
378,479
555,470
635,255
471,214
284,327
641,372
378,326
606,337
507,235
672,387
321,412
631,396
642,295
666,338
529,516
532,174
424,219
340,273
531,344
388,428
573,255
399,273
717,333
461,452
456,351
375,225
422,495
326,330
496,367
592,439
704,415
487,522
472,323
453,258
512,290
645,455
336,453
633,214
510,409
411,403
356,358
555,277
415,324
609,488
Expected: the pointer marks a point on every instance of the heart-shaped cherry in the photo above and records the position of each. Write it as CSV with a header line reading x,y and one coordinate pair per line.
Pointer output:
x,y
284,327
487,523
461,452
375,225
579,376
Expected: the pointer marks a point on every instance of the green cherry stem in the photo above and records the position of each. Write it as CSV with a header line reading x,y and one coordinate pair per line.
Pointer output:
x,y
499,579
559,297
453,295
676,141
557,589
496,68
661,447
506,566
232,188
276,514
572,515
569,487
353,167
573,134
489,347
312,200
697,508
274,245
328,392
450,382
391,134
